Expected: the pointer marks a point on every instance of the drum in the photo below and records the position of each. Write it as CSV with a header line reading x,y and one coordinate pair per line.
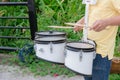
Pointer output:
x,y
79,57
51,49
49,34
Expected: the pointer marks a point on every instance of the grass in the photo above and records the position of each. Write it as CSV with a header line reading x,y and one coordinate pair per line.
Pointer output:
x,y
43,68
49,12
114,77
37,66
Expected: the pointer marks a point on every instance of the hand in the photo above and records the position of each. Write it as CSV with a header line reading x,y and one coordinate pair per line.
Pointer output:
x,y
99,25
78,28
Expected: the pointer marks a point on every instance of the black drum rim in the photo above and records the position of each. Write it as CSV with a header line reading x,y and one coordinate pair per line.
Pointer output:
x,y
80,49
61,33
47,42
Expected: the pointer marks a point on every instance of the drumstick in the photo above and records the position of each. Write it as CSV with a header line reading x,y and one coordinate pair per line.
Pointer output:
x,y
74,24
64,27
61,27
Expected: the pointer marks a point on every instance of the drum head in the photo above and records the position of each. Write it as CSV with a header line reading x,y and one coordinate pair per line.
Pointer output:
x,y
77,46
50,33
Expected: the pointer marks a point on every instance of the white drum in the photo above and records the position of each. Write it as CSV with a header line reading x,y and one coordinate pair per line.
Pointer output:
x,y
51,49
79,57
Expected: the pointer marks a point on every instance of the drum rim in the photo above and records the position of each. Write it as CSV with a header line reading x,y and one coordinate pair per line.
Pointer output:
x,y
80,49
61,33
47,42
49,60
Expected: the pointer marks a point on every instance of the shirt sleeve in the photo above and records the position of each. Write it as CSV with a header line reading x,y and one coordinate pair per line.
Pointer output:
x,y
116,5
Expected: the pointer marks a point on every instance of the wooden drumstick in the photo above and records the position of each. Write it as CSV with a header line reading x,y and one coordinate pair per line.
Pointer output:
x,y
61,27
74,24
64,27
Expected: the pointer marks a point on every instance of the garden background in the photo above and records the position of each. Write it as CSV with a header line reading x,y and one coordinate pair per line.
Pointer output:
x,y
49,12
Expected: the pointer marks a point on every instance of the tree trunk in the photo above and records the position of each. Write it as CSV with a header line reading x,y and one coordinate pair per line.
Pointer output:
x,y
5,0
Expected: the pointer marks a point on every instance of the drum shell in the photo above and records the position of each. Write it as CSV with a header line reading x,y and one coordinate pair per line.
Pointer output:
x,y
80,61
52,51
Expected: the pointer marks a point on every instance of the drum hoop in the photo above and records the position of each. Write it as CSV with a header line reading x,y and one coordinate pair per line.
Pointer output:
x,y
80,49
48,42
61,34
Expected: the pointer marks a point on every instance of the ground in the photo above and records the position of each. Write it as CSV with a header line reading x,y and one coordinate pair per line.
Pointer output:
x,y
15,73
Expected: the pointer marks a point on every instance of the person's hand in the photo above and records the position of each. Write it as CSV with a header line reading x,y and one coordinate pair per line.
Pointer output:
x,y
99,25
78,28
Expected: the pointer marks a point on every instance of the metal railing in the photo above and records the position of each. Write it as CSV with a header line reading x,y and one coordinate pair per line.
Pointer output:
x,y
32,22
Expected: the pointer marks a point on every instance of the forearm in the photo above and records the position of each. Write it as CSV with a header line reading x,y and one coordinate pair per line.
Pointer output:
x,y
113,21
81,21
100,25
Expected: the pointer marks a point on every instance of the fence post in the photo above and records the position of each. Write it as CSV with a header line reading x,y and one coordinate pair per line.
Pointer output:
x,y
32,18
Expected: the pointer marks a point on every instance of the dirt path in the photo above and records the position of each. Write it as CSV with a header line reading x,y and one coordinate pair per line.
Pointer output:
x,y
15,73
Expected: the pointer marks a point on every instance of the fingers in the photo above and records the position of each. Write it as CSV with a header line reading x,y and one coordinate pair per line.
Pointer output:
x,y
77,28
94,26
98,26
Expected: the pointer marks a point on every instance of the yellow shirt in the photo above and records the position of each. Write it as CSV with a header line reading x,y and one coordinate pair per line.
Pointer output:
x,y
104,39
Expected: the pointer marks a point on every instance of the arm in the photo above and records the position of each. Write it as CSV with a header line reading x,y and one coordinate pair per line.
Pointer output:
x,y
114,20
100,25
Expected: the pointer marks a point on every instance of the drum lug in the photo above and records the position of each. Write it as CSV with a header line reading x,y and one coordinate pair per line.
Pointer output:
x,y
51,48
80,58
41,50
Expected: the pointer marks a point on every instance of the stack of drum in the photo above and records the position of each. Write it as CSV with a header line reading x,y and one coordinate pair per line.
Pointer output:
x,y
52,46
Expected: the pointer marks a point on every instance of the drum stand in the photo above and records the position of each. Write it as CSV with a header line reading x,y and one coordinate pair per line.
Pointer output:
x,y
86,21
85,29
